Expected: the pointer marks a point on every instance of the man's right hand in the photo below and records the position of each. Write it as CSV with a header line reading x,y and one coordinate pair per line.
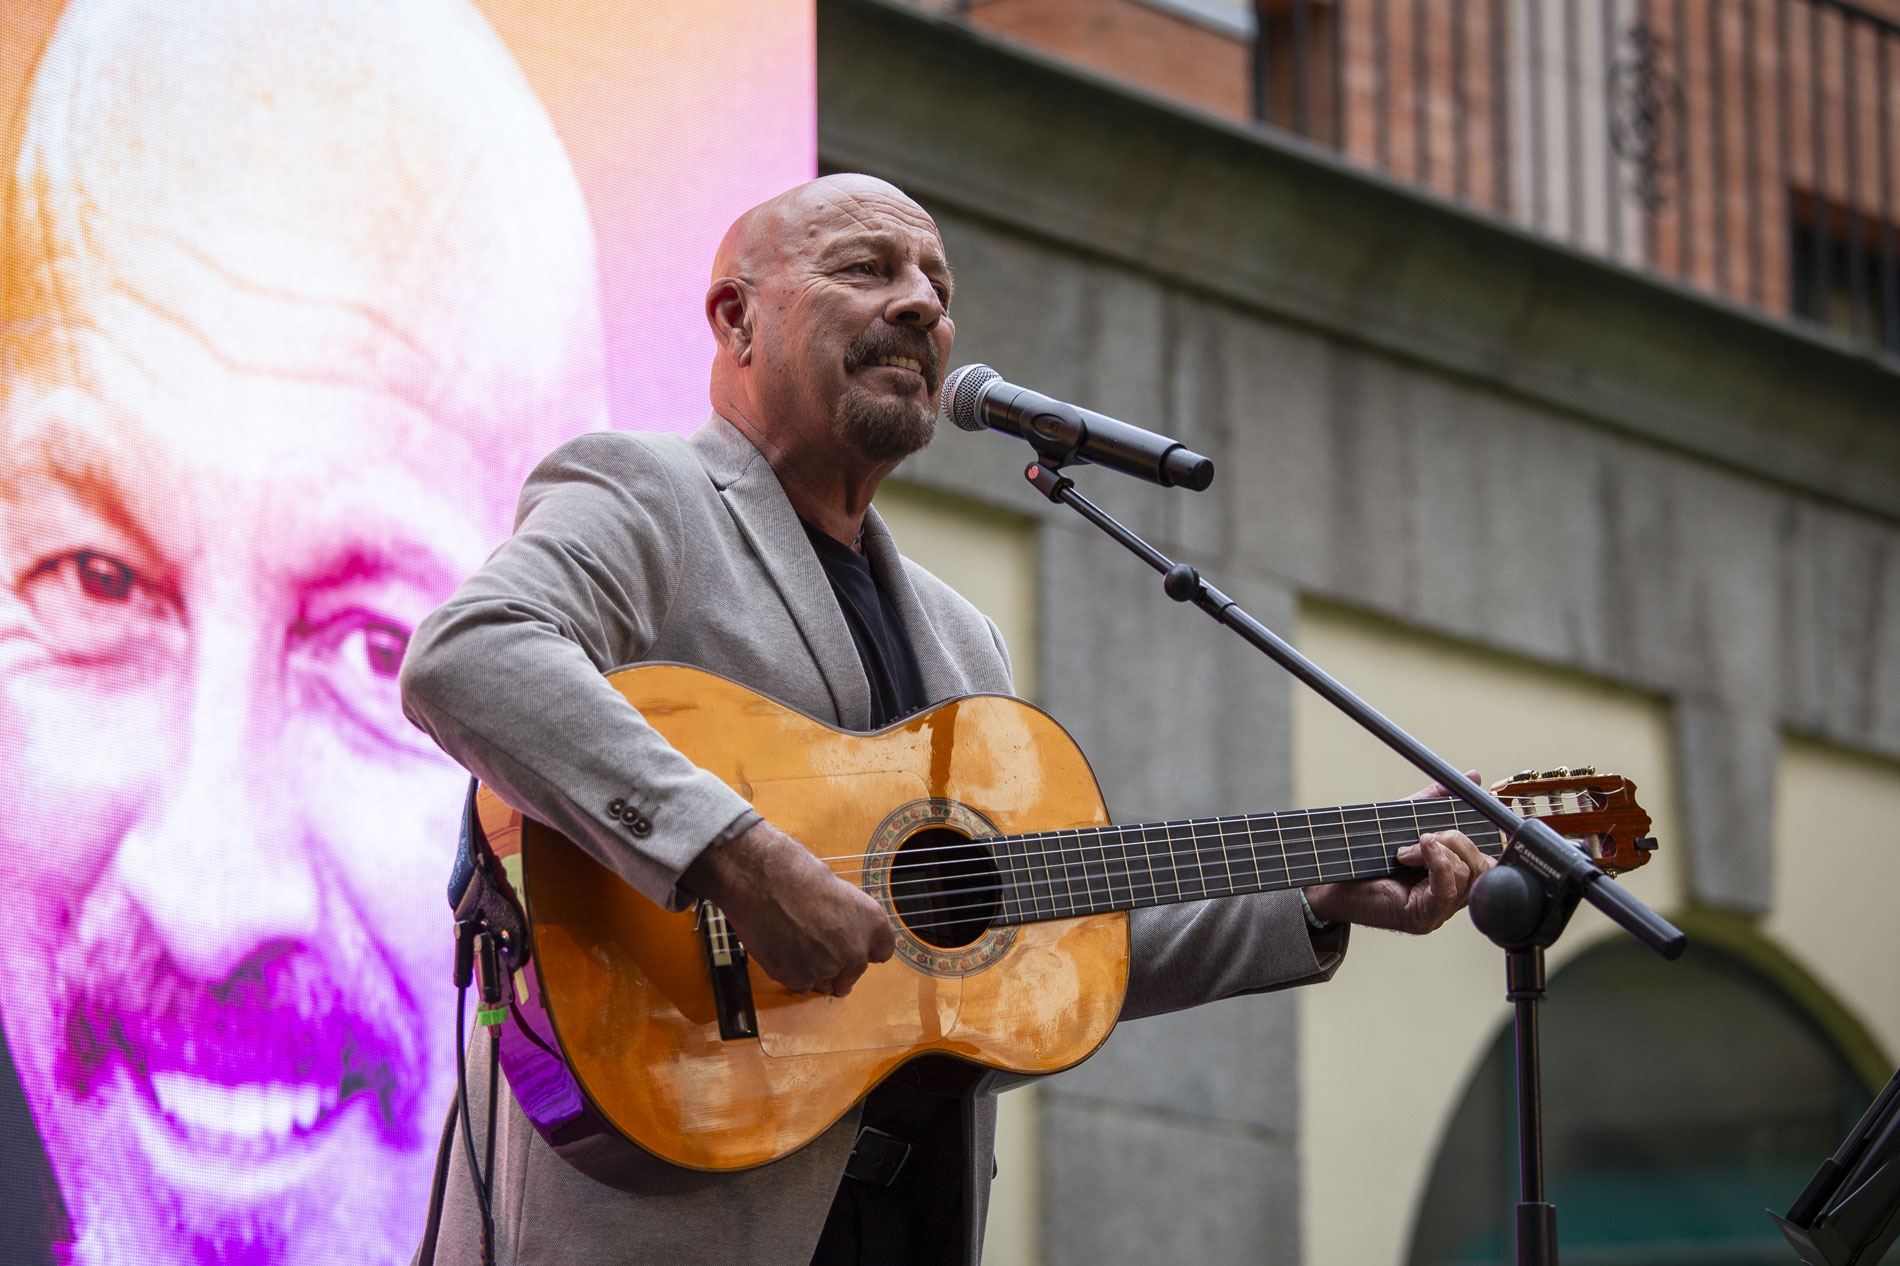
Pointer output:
x,y
808,929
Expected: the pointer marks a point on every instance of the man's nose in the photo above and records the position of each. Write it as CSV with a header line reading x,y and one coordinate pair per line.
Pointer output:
x,y
917,302
218,861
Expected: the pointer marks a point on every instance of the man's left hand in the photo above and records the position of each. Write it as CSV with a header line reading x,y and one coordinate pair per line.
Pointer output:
x,y
1419,901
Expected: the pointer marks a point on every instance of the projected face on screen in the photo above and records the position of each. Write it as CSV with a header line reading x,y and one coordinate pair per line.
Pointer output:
x,y
294,295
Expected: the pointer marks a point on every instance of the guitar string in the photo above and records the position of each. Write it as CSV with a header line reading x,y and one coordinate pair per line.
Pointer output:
x,y
1376,810
1270,832
1204,872
1227,842
938,921
1368,812
1225,849
1373,814
1126,872
1172,868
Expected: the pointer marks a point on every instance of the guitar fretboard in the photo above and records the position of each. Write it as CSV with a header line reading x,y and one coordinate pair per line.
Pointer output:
x,y
1090,870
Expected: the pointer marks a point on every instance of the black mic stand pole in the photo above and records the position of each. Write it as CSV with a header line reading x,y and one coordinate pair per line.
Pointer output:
x,y
1522,904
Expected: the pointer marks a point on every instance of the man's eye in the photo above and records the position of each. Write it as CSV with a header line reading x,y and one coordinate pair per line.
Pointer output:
x,y
353,658
92,606
382,646
103,577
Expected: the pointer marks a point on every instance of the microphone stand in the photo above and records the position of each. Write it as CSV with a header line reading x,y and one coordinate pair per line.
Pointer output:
x,y
1522,904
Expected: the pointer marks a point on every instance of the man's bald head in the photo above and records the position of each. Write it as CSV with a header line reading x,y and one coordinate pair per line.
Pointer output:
x,y
764,235
359,191
829,304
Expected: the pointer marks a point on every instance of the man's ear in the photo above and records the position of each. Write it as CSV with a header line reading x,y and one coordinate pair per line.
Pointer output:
x,y
730,307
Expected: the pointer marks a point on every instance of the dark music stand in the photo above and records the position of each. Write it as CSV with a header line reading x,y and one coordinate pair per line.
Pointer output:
x,y
1846,1216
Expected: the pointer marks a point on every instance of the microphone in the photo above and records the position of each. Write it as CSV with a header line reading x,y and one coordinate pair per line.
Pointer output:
x,y
977,398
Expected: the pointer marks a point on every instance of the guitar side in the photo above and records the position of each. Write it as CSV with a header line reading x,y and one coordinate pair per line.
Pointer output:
x,y
626,987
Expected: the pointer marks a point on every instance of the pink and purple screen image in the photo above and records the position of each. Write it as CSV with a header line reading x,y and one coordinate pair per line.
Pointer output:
x,y
293,294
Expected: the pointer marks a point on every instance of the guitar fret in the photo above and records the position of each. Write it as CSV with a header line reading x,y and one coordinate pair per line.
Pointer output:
x,y
1124,865
1116,853
1016,896
1148,866
1279,847
1296,847
1061,890
1253,856
1099,884
1169,879
1046,887
1006,908
1076,864
1204,838
1367,848
1198,877
1237,845
1228,829
1075,871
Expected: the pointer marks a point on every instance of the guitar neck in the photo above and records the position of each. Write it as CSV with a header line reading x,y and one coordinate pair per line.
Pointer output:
x,y
1092,870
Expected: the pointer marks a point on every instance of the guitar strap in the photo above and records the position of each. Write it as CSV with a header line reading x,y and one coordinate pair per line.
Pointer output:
x,y
479,895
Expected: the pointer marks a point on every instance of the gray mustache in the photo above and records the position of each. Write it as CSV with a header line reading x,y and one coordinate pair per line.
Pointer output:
x,y
890,340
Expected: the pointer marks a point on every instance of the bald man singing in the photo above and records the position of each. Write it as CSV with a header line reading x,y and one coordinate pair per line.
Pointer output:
x,y
751,549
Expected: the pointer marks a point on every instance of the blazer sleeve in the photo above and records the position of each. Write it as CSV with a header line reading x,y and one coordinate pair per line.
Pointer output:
x,y
507,676
1202,951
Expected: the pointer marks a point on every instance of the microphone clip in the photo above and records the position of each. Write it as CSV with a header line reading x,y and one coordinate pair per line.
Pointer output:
x,y
1046,477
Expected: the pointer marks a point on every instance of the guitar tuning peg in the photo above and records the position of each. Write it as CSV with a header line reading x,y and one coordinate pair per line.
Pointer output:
x,y
1584,771
1562,771
1523,775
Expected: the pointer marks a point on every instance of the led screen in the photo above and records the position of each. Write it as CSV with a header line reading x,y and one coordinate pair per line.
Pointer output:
x,y
293,293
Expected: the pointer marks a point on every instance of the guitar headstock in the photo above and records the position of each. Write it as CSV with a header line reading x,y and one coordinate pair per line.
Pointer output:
x,y
1598,811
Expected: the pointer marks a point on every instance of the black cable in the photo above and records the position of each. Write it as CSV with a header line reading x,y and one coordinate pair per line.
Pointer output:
x,y
468,1138
488,1149
438,1188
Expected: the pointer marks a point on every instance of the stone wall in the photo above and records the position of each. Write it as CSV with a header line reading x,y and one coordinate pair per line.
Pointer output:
x,y
1415,410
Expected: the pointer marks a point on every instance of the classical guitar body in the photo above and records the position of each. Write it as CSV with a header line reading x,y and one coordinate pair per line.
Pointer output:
x,y
623,991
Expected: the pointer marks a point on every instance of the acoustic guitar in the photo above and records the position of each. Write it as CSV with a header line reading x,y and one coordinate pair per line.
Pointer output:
x,y
634,1033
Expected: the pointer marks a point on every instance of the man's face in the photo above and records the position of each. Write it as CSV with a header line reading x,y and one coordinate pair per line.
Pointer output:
x,y
854,326
228,999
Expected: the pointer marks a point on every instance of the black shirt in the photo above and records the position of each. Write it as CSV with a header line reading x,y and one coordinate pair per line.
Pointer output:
x,y
920,1217
890,665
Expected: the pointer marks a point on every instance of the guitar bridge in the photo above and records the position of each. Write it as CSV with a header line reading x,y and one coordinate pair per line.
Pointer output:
x,y
731,985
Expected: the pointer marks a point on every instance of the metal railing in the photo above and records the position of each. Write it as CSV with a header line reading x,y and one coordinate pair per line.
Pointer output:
x,y
1746,147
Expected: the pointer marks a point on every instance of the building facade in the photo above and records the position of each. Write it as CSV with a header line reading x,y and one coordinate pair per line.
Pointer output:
x,y
1747,148
1542,505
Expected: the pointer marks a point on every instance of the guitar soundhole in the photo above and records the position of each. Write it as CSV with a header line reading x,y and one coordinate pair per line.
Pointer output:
x,y
944,886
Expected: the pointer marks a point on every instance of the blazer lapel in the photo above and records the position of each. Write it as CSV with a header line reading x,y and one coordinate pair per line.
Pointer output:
x,y
943,679
770,526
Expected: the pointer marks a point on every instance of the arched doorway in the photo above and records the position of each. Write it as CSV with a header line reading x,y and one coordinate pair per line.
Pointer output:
x,y
1681,1100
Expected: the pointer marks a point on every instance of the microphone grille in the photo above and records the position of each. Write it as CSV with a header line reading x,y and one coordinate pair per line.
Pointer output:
x,y
961,391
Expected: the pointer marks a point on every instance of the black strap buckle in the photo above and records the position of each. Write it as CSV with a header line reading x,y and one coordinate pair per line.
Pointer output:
x,y
878,1158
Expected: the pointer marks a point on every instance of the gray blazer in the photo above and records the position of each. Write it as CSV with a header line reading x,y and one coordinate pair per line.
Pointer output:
x,y
634,547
